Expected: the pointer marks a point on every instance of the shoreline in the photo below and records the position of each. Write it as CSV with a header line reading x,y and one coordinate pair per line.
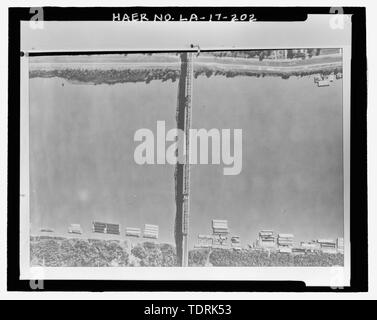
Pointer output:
x,y
78,252
142,69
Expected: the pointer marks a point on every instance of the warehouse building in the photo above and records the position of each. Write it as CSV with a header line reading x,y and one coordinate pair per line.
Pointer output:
x,y
75,228
266,239
327,245
285,240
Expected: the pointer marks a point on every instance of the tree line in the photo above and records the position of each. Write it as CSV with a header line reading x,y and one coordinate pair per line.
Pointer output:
x,y
113,76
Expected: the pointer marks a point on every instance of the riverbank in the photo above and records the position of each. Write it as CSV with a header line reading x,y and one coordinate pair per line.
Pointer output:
x,y
145,68
71,252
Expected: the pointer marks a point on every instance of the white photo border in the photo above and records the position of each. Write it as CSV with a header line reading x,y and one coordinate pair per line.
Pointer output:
x,y
312,276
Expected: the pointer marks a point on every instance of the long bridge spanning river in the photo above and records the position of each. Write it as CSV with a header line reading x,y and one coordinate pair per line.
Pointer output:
x,y
182,173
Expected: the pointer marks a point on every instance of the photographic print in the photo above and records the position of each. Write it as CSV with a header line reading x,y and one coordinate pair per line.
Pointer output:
x,y
199,157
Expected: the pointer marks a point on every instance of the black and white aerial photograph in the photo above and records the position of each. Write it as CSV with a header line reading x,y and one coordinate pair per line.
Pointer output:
x,y
162,149
193,154
263,187
195,157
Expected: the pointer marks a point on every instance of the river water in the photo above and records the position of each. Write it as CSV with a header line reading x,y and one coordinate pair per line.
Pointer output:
x,y
82,156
